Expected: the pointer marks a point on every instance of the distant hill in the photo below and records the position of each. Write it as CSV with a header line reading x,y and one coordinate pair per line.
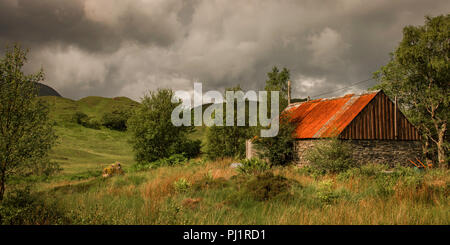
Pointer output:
x,y
62,109
44,90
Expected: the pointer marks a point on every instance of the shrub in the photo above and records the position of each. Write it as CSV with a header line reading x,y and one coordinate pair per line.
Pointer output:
x,y
189,148
116,120
325,192
174,159
253,166
267,185
22,207
80,118
331,156
181,185
223,141
278,150
92,123
85,121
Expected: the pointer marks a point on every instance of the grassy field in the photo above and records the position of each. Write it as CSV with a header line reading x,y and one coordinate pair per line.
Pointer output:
x,y
204,192
217,196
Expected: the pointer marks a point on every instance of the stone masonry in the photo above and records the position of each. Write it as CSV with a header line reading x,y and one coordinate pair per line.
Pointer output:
x,y
370,151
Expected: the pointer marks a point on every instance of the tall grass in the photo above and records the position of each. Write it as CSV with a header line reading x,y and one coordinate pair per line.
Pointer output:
x,y
217,195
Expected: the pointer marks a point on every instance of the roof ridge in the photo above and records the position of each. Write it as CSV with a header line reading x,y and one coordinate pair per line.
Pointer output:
x,y
290,106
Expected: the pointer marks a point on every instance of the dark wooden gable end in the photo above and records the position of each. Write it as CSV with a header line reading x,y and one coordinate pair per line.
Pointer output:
x,y
380,121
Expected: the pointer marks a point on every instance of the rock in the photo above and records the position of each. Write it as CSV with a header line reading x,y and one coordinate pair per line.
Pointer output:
x,y
236,165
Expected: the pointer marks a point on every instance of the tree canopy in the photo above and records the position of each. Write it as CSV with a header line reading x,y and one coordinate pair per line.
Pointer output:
x,y
26,133
418,75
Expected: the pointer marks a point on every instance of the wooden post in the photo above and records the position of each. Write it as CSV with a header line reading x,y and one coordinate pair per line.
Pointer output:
x,y
289,92
395,118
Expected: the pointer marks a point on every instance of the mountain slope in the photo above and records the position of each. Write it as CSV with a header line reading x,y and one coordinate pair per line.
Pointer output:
x,y
45,90
62,109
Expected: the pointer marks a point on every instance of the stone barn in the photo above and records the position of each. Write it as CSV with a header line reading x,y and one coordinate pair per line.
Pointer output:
x,y
376,129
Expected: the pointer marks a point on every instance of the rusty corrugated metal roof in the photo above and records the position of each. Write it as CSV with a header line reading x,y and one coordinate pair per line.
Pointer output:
x,y
324,118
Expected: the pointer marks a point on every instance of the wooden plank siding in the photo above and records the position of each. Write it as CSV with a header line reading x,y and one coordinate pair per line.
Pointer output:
x,y
376,121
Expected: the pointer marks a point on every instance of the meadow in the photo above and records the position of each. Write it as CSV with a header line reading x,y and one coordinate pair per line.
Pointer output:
x,y
199,191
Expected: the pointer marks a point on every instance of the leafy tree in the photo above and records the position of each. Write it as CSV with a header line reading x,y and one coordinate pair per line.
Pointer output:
x,y
228,141
153,134
278,150
278,81
26,133
418,74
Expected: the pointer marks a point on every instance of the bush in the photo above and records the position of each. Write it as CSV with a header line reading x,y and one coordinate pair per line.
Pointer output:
x,y
116,120
189,148
22,207
80,118
267,185
181,185
175,159
325,192
331,156
226,141
278,150
85,121
253,166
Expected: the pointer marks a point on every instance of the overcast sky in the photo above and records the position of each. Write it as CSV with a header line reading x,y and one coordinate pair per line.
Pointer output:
x,y
126,47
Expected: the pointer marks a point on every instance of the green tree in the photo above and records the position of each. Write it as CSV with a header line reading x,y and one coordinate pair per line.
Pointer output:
x,y
279,150
418,74
26,133
278,81
153,134
228,141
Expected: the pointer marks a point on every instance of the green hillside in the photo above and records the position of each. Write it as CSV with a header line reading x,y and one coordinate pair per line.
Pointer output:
x,y
62,109
82,150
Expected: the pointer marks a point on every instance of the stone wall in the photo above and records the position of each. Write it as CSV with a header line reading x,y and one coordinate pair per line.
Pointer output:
x,y
370,151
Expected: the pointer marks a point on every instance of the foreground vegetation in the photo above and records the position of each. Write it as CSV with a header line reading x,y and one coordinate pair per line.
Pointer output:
x,y
200,192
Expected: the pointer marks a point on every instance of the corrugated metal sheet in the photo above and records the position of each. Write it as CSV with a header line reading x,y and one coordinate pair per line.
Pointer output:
x,y
324,118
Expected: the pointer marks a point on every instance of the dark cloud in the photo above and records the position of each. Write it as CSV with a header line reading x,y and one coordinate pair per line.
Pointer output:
x,y
115,48
55,22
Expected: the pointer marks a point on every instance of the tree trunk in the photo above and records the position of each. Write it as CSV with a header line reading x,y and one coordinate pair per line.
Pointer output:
x,y
426,150
2,185
440,147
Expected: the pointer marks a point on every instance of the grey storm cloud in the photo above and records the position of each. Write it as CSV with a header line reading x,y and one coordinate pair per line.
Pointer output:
x,y
126,47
